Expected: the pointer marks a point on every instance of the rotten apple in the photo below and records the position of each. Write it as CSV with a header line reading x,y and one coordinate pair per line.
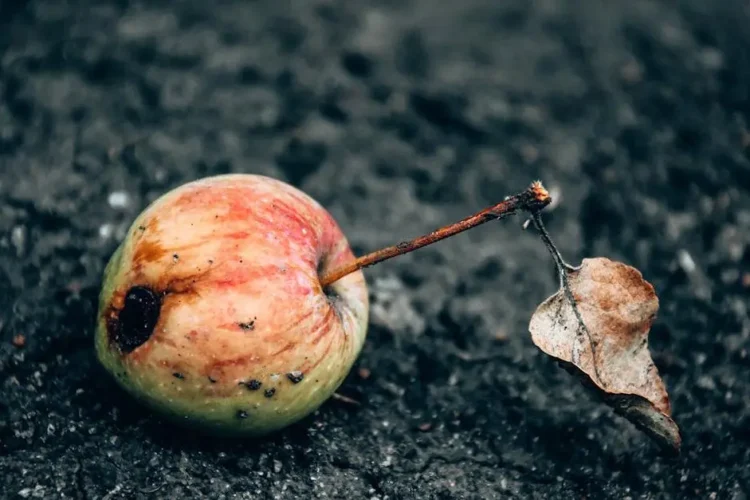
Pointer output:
x,y
212,310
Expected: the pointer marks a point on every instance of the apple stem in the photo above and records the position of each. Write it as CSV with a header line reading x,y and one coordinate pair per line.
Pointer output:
x,y
533,200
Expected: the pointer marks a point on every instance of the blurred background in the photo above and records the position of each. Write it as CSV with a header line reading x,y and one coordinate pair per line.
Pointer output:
x,y
399,117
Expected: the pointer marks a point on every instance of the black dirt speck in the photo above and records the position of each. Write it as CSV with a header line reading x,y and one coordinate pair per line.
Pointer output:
x,y
295,376
241,414
269,392
178,375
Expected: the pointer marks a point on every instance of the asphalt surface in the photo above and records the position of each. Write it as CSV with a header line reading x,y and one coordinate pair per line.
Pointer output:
x,y
398,117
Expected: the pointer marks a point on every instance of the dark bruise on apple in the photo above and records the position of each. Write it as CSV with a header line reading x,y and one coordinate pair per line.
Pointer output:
x,y
132,324
216,293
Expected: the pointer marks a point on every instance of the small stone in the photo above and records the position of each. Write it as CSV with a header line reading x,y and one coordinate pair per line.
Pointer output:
x,y
500,335
18,239
118,199
686,261
706,382
241,414
19,341
106,231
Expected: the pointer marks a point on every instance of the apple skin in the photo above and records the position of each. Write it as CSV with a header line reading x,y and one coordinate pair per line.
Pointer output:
x,y
227,328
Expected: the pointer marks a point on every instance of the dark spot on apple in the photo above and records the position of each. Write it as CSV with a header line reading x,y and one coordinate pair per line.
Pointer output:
x,y
241,414
178,375
211,379
247,325
252,385
269,392
295,376
134,324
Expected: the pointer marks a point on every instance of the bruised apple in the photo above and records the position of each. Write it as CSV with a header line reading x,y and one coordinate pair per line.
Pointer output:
x,y
212,311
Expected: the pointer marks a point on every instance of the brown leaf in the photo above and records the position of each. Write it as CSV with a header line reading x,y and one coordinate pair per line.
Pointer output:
x,y
603,333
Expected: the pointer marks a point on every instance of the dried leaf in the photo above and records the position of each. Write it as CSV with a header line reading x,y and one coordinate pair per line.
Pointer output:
x,y
601,328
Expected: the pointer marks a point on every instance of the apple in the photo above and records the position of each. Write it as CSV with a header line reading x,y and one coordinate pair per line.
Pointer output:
x,y
212,311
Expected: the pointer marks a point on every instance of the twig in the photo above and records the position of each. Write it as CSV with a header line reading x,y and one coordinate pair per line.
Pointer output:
x,y
532,200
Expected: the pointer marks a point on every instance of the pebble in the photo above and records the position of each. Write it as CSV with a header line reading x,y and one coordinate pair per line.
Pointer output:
x,y
35,492
686,261
18,239
105,231
118,199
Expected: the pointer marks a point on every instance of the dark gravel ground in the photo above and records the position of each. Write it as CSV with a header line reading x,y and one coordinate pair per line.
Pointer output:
x,y
398,117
